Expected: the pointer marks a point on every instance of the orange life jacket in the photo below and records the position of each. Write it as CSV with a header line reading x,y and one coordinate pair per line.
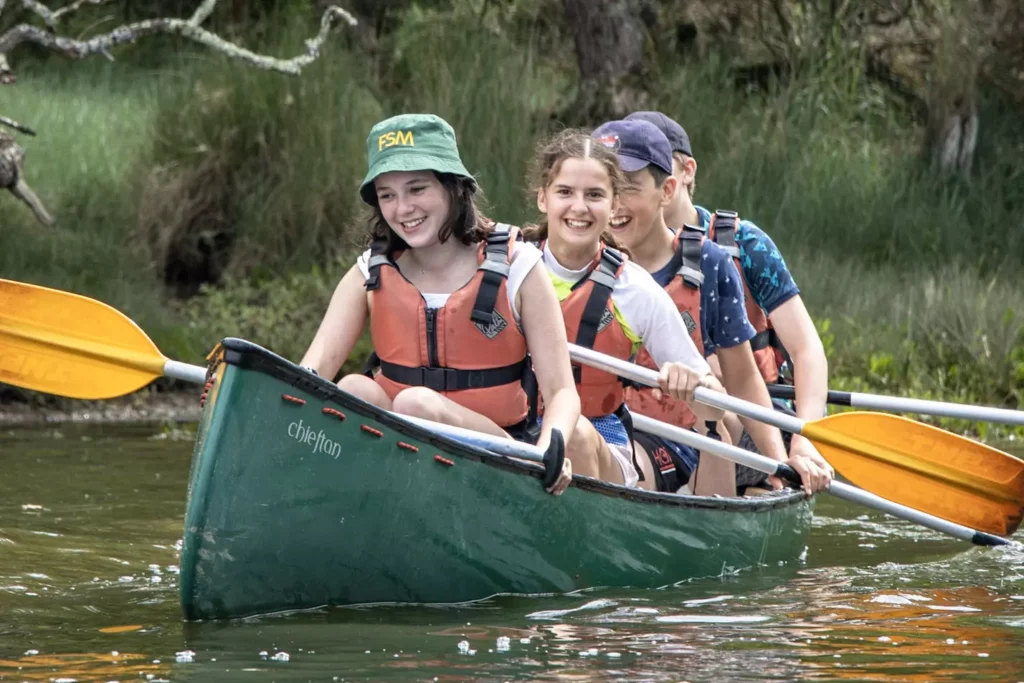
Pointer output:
x,y
766,345
470,350
684,289
590,322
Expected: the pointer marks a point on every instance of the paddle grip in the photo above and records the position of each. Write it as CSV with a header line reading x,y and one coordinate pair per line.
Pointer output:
x,y
787,473
554,458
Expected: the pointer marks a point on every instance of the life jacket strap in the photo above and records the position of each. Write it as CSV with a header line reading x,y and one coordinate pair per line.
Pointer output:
x,y
452,379
725,231
761,340
689,250
603,277
378,258
495,268
372,363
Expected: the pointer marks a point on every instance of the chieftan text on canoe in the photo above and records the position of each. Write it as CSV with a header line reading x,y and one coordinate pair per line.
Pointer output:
x,y
319,442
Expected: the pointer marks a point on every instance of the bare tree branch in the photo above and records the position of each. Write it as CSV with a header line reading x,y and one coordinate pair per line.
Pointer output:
x,y
20,127
52,18
6,73
129,33
202,12
11,153
12,156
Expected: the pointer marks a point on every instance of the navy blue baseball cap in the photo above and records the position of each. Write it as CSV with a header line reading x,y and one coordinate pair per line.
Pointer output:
x,y
677,137
638,144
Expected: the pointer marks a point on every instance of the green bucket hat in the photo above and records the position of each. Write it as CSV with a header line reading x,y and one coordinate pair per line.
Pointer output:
x,y
411,142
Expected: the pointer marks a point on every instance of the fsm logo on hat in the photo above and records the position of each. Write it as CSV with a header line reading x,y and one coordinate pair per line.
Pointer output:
x,y
392,138
410,142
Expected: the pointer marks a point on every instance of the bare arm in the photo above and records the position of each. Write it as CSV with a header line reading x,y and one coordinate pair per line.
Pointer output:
x,y
341,326
743,380
810,368
541,318
810,374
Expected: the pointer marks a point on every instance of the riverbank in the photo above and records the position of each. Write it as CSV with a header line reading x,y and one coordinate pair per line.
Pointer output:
x,y
142,407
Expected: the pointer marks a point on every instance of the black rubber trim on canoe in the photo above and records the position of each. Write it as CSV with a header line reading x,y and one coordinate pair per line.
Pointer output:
x,y
250,356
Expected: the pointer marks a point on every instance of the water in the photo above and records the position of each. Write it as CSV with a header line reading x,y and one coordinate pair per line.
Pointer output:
x,y
90,519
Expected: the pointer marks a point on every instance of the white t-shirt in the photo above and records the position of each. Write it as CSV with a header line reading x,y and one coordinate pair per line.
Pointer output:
x,y
523,256
647,309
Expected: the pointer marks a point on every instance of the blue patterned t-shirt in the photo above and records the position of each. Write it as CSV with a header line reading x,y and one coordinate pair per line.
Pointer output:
x,y
723,317
771,284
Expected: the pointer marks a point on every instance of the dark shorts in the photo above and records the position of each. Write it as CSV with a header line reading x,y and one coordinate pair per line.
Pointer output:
x,y
674,464
524,431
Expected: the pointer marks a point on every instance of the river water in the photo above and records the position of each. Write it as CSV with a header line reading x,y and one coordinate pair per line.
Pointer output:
x,y
90,522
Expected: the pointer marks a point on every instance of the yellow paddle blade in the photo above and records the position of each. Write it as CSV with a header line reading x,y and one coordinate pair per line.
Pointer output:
x,y
70,345
923,467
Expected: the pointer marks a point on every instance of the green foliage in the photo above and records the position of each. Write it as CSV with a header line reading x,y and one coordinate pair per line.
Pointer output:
x,y
210,170
281,314
251,171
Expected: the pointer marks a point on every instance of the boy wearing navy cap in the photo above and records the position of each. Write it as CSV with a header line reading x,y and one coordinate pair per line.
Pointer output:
x,y
706,287
772,302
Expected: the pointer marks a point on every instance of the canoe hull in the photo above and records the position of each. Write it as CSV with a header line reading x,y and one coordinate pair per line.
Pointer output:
x,y
290,506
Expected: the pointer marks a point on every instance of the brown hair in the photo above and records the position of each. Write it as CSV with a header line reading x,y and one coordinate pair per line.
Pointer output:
x,y
571,143
465,221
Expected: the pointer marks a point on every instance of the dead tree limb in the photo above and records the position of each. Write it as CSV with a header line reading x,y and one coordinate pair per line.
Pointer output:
x,y
186,28
12,156
52,17
20,127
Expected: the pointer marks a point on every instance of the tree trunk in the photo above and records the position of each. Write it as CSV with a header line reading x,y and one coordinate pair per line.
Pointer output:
x,y
611,38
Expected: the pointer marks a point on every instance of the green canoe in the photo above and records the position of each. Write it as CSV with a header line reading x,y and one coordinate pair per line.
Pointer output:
x,y
301,495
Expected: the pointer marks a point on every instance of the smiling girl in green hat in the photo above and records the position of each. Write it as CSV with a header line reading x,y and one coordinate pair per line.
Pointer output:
x,y
458,306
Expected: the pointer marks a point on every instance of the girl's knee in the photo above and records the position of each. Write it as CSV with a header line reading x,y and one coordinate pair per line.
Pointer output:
x,y
420,402
583,449
364,388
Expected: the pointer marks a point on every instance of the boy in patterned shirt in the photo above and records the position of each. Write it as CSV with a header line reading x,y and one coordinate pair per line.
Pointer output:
x,y
774,302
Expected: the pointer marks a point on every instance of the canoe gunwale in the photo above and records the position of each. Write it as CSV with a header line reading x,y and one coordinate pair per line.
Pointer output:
x,y
249,356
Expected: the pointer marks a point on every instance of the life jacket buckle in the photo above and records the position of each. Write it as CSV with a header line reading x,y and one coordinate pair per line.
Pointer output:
x,y
436,378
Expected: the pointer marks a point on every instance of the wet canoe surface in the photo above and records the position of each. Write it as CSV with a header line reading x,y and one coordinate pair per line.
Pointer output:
x,y
301,496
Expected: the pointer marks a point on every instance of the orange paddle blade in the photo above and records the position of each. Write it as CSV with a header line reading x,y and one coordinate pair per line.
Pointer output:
x,y
70,345
923,467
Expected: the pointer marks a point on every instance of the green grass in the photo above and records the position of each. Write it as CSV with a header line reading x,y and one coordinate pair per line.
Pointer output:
x,y
93,129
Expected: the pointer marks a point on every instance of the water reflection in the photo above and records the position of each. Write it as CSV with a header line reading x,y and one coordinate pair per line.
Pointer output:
x,y
86,666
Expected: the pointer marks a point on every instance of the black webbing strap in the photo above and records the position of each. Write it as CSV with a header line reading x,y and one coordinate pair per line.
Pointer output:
x,y
689,251
725,231
495,271
372,363
603,276
712,428
378,258
776,343
760,341
452,379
